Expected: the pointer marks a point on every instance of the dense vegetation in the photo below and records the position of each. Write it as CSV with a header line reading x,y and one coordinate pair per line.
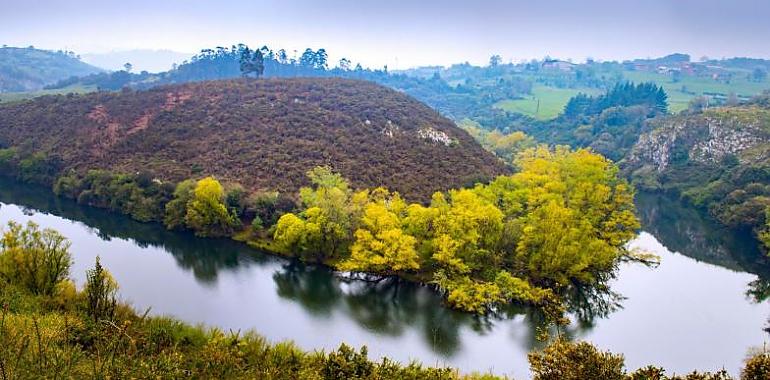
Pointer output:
x,y
717,159
51,329
609,123
263,134
560,223
557,225
28,69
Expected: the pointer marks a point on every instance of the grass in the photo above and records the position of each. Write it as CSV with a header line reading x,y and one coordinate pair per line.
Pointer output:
x,y
10,97
545,103
696,86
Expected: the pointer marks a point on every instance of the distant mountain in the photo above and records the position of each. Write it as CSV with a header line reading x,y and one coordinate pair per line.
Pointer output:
x,y
263,134
29,69
153,61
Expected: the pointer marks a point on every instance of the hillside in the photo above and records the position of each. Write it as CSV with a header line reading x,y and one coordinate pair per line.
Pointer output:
x,y
29,69
718,159
263,134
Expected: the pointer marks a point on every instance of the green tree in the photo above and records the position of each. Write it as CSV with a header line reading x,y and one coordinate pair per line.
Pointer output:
x,y
100,293
207,214
39,260
764,235
176,209
252,62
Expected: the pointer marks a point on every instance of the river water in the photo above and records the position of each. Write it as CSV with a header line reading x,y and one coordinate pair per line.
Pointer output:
x,y
691,312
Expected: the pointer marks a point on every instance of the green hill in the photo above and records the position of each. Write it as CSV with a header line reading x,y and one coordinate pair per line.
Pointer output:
x,y
718,159
263,134
29,69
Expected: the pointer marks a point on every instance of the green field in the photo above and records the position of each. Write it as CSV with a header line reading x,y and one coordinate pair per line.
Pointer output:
x,y
696,86
548,102
9,97
545,102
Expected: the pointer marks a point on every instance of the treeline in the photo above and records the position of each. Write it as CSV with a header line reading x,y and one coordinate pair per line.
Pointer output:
x,y
622,95
51,329
456,101
610,123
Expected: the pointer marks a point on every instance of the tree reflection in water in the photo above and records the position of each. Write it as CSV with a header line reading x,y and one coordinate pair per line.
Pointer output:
x,y
392,306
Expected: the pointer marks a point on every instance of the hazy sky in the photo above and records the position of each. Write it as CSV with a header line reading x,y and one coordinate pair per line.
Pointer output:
x,y
400,33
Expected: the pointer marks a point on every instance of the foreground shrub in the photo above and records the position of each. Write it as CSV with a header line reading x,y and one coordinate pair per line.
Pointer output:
x,y
100,293
35,259
563,360
757,367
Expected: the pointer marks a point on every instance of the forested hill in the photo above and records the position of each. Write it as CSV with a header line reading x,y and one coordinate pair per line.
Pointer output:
x,y
28,69
718,158
264,134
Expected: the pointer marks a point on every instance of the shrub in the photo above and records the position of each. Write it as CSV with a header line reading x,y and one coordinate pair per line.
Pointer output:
x,y
757,367
563,360
38,260
100,293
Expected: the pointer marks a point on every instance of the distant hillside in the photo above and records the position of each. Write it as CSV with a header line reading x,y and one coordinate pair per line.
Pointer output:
x,y
153,61
718,159
29,69
264,134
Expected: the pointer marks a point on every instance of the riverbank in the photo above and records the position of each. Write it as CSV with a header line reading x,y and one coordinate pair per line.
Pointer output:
x,y
223,283
61,327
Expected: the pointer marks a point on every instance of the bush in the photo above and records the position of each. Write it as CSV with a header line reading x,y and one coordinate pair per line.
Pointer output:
x,y
563,360
257,225
36,260
757,367
100,293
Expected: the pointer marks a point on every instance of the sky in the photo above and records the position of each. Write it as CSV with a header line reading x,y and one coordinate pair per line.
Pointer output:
x,y
400,33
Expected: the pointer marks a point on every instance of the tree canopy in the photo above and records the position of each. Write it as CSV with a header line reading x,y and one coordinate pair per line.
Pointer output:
x,y
562,221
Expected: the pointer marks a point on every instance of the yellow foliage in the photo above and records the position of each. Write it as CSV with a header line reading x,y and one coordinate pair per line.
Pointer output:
x,y
207,214
381,245
563,219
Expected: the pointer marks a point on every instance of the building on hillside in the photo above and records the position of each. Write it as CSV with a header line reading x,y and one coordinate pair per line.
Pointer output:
x,y
555,64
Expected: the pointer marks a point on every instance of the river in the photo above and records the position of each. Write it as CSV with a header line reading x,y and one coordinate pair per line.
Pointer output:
x,y
692,312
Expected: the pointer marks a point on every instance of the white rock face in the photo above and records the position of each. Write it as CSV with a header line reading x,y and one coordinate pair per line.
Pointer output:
x,y
706,140
429,133
722,141
390,130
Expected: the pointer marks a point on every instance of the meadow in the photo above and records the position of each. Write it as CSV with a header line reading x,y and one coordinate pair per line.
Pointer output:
x,y
545,103
696,86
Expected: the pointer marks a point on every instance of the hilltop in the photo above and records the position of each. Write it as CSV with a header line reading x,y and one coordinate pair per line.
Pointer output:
x,y
30,69
263,134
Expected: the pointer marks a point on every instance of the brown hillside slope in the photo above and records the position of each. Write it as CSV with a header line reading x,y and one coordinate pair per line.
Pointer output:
x,y
264,134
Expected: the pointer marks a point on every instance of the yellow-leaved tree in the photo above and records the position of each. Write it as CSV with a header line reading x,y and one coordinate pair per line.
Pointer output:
x,y
380,243
206,212
560,223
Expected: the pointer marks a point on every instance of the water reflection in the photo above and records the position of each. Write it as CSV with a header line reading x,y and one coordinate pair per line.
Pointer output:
x,y
285,299
686,230
385,308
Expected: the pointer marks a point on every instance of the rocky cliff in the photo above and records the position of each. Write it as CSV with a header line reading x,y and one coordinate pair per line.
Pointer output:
x,y
718,159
